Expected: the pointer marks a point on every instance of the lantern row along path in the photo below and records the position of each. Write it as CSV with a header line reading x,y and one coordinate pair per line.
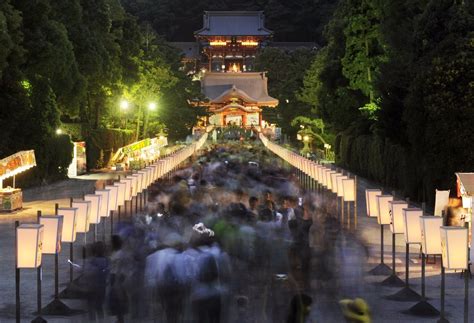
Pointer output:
x,y
368,230
44,199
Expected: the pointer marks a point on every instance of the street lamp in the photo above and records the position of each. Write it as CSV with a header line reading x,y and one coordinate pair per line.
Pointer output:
x,y
151,107
124,104
59,131
124,107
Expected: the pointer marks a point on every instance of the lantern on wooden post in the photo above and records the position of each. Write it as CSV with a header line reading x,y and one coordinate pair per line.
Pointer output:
x,y
69,232
121,195
113,202
407,221
94,215
350,195
430,245
52,245
128,193
83,216
396,226
371,202
340,194
383,218
29,245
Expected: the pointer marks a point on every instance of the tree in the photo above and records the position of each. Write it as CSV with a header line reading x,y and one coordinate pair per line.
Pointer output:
x,y
283,84
364,50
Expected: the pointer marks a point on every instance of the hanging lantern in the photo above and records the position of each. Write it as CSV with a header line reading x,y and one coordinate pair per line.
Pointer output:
x,y
52,230
371,202
384,209
430,236
83,215
454,247
412,227
29,245
69,224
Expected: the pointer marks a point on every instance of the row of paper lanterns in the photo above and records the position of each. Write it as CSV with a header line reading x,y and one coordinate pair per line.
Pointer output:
x,y
332,180
33,240
425,230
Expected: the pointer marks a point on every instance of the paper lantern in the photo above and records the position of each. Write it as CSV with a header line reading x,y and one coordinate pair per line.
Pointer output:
x,y
134,185
371,202
104,204
349,190
454,247
411,224
94,215
467,202
113,197
52,230
69,224
384,208
441,202
128,188
29,245
144,174
340,190
334,177
121,193
138,179
430,236
83,215
320,174
396,215
329,179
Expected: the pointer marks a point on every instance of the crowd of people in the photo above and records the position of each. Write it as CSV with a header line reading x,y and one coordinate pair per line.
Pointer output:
x,y
230,237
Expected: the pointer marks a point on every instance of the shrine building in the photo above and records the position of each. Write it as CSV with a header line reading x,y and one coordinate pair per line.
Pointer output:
x,y
228,42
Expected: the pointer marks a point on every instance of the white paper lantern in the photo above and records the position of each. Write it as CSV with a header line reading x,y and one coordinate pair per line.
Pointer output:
x,y
144,174
467,202
121,194
128,188
349,190
411,223
113,197
29,245
52,229
371,202
329,179
396,215
94,215
104,204
83,215
430,234
134,184
334,177
69,224
384,208
340,189
454,247
441,202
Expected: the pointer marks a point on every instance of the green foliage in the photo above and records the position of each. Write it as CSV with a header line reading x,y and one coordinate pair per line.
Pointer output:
x,y
107,141
284,83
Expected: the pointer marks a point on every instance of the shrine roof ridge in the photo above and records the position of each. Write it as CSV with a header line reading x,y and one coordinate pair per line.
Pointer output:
x,y
233,23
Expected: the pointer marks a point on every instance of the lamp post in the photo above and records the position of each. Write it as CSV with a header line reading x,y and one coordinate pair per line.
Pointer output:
x,y
124,107
151,107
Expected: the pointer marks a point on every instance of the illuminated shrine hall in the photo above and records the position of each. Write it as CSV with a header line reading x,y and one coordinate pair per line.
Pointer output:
x,y
228,42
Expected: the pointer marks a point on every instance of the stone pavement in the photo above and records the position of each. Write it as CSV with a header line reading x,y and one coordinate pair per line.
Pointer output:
x,y
351,267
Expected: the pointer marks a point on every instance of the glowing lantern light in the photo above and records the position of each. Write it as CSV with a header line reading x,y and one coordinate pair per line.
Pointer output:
x,y
29,245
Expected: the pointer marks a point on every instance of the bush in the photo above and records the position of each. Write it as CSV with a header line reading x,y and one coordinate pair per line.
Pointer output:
x,y
107,140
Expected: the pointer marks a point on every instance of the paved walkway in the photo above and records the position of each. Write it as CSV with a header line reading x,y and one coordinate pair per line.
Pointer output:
x,y
324,309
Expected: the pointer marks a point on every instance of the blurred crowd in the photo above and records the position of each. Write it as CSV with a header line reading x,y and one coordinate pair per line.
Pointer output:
x,y
230,237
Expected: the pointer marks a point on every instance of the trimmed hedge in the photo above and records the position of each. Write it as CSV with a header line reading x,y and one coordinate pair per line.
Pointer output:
x,y
391,165
107,140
